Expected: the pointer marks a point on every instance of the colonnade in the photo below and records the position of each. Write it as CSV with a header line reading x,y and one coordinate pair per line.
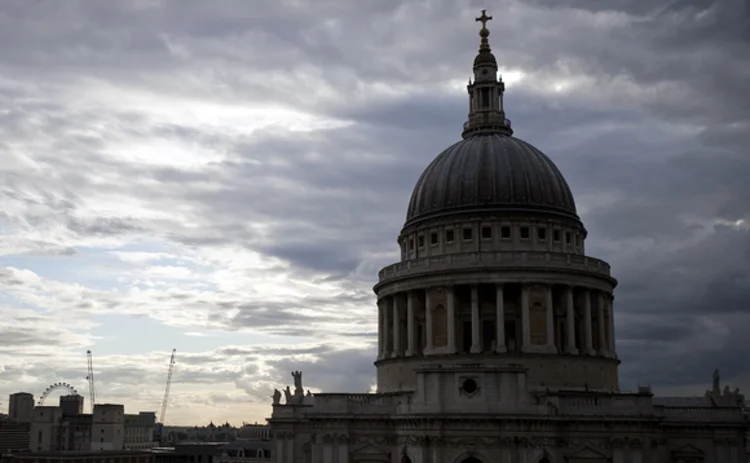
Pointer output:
x,y
500,318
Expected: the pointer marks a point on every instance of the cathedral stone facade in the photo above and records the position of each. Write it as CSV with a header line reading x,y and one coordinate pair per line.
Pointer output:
x,y
496,331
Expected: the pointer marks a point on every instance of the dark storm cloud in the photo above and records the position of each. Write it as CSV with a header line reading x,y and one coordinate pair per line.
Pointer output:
x,y
336,371
660,130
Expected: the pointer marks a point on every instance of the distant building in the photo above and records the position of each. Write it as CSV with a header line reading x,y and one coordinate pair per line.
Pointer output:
x,y
21,406
14,435
122,456
254,432
71,404
139,431
189,452
245,451
107,429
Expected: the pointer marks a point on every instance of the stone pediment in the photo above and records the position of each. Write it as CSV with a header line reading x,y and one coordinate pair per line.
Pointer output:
x,y
588,455
368,452
688,450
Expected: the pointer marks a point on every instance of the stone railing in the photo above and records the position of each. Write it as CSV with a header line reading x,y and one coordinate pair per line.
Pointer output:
x,y
481,260
622,405
605,405
366,404
702,414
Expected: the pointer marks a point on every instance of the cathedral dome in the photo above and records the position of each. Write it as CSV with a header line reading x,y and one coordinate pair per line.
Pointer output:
x,y
490,172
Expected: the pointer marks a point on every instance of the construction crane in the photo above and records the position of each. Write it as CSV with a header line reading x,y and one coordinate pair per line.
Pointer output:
x,y
166,391
90,377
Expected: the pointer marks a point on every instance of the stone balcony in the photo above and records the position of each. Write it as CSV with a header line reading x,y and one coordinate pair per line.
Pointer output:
x,y
494,261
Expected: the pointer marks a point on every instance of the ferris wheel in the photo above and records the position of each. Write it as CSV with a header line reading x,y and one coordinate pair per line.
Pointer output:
x,y
54,387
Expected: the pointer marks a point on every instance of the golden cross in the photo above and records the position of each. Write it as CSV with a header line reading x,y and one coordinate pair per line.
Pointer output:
x,y
484,18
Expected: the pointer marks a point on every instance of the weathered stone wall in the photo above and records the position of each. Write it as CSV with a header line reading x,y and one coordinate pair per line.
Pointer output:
x,y
564,371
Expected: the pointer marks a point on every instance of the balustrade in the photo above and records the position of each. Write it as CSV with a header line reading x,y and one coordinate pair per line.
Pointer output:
x,y
494,259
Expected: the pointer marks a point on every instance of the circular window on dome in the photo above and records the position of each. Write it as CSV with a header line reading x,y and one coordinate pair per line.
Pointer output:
x,y
469,386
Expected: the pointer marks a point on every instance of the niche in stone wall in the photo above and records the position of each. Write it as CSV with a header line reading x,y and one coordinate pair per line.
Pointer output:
x,y
538,319
439,326
538,316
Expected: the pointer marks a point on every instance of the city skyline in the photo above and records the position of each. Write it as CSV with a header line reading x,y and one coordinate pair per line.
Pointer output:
x,y
228,181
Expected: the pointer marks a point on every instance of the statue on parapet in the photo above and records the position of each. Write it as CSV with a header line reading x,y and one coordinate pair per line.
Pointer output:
x,y
298,390
739,396
276,396
716,384
288,396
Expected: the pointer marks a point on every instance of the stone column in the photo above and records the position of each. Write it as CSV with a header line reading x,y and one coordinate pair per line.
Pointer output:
x,y
437,454
635,454
381,324
588,334
610,308
280,448
618,454
475,345
411,345
570,321
396,348
387,335
525,324
551,348
428,349
327,448
343,449
500,319
602,308
289,450
451,316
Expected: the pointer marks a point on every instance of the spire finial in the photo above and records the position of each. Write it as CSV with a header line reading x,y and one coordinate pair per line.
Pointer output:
x,y
484,32
486,113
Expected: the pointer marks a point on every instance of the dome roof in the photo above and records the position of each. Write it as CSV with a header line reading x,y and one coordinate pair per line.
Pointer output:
x,y
490,172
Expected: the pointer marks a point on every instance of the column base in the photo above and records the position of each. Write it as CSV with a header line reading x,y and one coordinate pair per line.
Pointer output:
x,y
590,352
539,349
549,350
501,349
572,350
475,350
409,353
393,355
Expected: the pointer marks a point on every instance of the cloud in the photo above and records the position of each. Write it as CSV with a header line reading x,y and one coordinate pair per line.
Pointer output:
x,y
219,178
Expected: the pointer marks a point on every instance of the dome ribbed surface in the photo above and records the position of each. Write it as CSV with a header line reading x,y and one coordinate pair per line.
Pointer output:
x,y
490,173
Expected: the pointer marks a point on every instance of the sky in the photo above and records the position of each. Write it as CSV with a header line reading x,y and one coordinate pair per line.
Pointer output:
x,y
226,179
